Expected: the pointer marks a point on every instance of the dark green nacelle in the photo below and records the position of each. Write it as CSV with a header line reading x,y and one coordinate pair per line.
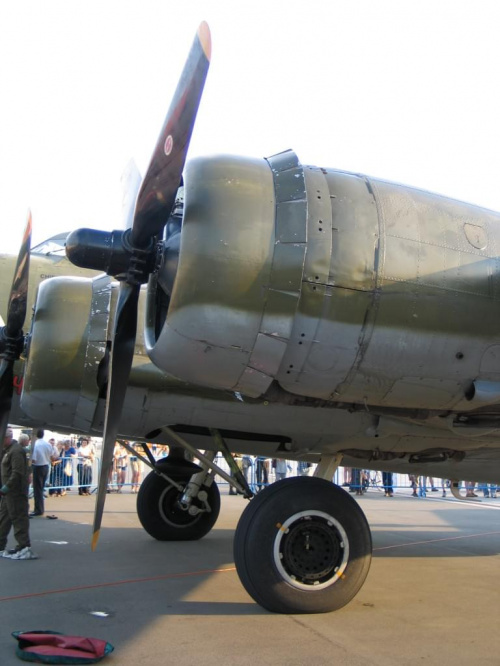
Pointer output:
x,y
335,285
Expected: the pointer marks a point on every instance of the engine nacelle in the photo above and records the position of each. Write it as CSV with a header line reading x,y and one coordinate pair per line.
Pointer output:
x,y
338,286
67,343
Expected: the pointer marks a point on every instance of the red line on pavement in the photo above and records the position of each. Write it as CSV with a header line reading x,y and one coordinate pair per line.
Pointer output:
x,y
416,543
118,582
212,571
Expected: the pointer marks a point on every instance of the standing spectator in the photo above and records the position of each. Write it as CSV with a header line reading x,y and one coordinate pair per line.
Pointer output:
x,y
67,455
356,481
303,468
431,482
121,466
422,487
86,453
40,463
262,472
24,441
414,483
55,479
14,506
246,466
469,487
135,466
238,461
490,491
113,470
347,476
281,469
387,482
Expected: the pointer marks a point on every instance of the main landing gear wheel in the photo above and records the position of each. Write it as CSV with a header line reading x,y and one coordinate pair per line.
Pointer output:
x,y
302,545
163,518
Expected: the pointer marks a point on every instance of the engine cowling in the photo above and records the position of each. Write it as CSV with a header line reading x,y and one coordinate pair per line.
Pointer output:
x,y
68,343
335,285
239,274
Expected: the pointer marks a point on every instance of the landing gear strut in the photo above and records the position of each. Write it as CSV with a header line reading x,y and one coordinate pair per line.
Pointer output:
x,y
180,501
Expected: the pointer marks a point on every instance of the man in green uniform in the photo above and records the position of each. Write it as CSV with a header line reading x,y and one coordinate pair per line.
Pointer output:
x,y
14,507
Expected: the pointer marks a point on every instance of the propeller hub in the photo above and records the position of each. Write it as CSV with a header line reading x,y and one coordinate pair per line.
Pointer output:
x,y
11,346
112,253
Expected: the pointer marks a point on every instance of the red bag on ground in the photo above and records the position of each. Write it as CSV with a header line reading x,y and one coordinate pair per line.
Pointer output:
x,y
51,647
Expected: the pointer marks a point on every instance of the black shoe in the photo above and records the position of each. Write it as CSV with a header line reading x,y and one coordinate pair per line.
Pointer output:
x,y
33,514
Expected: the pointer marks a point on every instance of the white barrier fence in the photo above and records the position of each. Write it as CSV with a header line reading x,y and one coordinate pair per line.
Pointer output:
x,y
74,473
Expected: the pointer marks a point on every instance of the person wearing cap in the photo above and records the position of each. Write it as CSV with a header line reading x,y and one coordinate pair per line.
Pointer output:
x,y
14,507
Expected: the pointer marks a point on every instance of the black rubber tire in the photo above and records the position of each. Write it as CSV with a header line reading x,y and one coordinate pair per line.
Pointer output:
x,y
315,564
163,520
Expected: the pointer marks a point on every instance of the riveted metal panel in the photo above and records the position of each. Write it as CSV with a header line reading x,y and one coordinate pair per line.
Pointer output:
x,y
97,335
277,320
289,185
340,278
290,222
286,273
283,161
436,290
415,391
303,335
319,227
288,261
253,383
356,233
267,353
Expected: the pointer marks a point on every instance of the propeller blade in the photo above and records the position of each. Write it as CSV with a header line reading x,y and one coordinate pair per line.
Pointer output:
x,y
155,201
157,194
130,183
122,354
12,333
19,290
6,390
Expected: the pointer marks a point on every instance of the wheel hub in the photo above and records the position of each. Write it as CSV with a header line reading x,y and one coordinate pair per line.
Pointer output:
x,y
311,550
172,512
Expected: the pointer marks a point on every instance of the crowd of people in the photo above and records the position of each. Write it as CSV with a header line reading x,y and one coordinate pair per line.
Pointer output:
x,y
74,465
48,468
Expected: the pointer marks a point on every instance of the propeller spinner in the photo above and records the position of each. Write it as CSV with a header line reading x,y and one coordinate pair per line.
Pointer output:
x,y
11,335
130,255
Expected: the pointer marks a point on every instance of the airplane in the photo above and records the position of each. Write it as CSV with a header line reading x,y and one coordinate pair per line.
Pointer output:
x,y
274,309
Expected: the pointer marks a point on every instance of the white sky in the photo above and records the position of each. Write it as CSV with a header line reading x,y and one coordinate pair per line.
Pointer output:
x,y
407,90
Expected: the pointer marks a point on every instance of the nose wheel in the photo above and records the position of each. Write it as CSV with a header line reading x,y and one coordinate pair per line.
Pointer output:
x,y
303,545
162,515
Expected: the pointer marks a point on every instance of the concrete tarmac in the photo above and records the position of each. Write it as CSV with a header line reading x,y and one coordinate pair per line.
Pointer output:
x,y
432,594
